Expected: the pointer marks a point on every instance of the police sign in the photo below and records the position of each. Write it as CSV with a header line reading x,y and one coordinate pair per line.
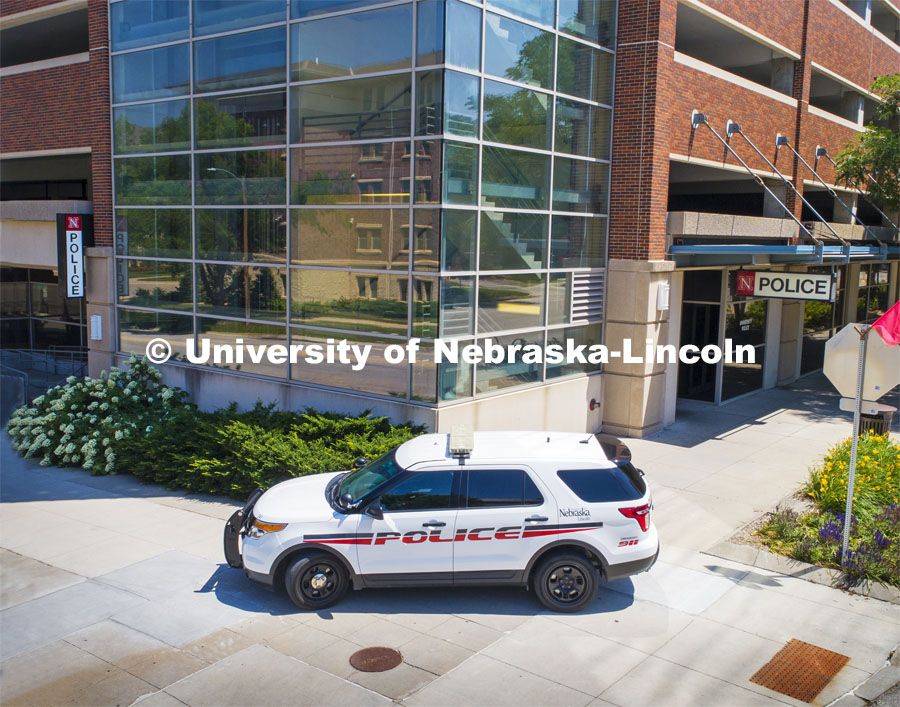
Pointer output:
x,y
74,233
786,285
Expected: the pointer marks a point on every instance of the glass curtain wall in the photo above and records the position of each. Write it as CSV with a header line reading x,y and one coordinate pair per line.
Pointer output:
x,y
314,170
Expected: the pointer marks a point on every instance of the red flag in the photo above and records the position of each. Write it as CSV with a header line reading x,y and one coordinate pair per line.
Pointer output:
x,y
888,325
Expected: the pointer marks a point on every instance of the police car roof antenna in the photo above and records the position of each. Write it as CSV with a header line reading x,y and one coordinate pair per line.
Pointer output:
x,y
782,140
732,128
822,152
698,119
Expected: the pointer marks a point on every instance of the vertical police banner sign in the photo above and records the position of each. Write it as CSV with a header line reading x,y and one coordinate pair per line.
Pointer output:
x,y
74,233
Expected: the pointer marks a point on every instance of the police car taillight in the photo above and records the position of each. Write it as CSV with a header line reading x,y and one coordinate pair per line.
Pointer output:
x,y
640,513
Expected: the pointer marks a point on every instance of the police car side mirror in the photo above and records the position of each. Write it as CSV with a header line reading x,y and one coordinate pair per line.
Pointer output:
x,y
360,463
346,501
374,509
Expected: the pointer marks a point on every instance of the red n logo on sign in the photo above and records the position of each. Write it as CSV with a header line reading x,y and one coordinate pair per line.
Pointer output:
x,y
73,223
745,282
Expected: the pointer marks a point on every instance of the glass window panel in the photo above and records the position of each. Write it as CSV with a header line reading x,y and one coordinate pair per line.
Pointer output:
x,y
309,8
428,172
47,301
240,60
518,51
16,333
137,329
582,129
154,283
424,375
153,127
512,241
350,45
241,291
243,120
510,302
455,379
594,20
211,16
13,293
254,177
340,299
542,11
588,335
157,73
350,238
460,172
378,376
355,109
456,41
447,102
578,242
249,235
514,180
559,298
584,72
155,233
457,306
425,307
497,376
516,116
375,173
458,240
153,180
138,23
222,332
426,239
47,334
580,186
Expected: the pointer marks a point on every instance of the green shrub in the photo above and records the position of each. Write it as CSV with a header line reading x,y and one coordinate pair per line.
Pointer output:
x,y
129,422
81,422
876,483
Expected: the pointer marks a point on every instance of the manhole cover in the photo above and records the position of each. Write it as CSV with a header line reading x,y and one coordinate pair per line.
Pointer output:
x,y
376,659
800,670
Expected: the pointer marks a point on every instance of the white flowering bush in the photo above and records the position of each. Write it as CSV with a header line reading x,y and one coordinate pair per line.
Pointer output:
x,y
79,423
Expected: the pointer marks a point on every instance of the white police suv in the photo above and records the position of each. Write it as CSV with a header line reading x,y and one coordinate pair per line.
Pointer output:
x,y
553,511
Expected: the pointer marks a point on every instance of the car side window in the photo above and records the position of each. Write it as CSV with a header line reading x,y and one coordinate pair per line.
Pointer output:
x,y
422,491
501,487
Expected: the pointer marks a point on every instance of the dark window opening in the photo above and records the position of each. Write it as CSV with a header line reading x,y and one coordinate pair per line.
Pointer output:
x,y
60,35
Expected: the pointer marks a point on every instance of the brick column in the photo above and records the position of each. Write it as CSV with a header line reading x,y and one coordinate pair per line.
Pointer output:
x,y
97,112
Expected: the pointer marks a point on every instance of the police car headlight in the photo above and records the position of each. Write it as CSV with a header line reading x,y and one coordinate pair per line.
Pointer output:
x,y
258,529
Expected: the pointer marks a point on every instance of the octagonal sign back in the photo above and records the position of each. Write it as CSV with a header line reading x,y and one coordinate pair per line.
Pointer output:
x,y
842,358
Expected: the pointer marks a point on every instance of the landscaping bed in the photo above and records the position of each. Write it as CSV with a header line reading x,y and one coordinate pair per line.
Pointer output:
x,y
810,529
127,421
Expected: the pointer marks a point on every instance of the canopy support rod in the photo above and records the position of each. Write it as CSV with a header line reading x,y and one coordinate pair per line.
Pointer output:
x,y
731,128
822,152
782,140
698,119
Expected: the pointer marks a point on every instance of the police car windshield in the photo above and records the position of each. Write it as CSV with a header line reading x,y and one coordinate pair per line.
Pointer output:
x,y
358,483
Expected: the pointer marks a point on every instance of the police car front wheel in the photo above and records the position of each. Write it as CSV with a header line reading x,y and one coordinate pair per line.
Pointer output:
x,y
565,582
315,580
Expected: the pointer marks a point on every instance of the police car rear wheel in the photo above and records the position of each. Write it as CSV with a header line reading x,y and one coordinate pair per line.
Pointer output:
x,y
565,582
315,581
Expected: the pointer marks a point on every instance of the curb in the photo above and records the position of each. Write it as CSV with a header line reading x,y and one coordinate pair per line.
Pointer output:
x,y
749,555
872,688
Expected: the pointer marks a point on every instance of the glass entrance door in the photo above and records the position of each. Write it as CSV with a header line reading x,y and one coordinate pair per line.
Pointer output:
x,y
699,326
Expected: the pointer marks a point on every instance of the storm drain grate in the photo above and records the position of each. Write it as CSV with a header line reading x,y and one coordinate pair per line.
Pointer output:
x,y
800,670
376,659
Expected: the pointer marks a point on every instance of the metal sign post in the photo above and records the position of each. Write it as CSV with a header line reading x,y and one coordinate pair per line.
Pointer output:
x,y
851,474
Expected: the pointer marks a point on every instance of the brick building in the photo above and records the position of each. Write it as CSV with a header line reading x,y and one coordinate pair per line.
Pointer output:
x,y
526,171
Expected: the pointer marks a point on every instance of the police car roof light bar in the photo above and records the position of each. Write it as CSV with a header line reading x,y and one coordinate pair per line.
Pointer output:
x,y
461,442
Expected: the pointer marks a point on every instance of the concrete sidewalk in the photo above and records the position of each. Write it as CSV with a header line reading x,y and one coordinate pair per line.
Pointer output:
x,y
114,592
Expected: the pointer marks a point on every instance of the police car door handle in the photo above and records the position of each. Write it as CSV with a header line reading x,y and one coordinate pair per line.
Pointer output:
x,y
434,524
536,519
